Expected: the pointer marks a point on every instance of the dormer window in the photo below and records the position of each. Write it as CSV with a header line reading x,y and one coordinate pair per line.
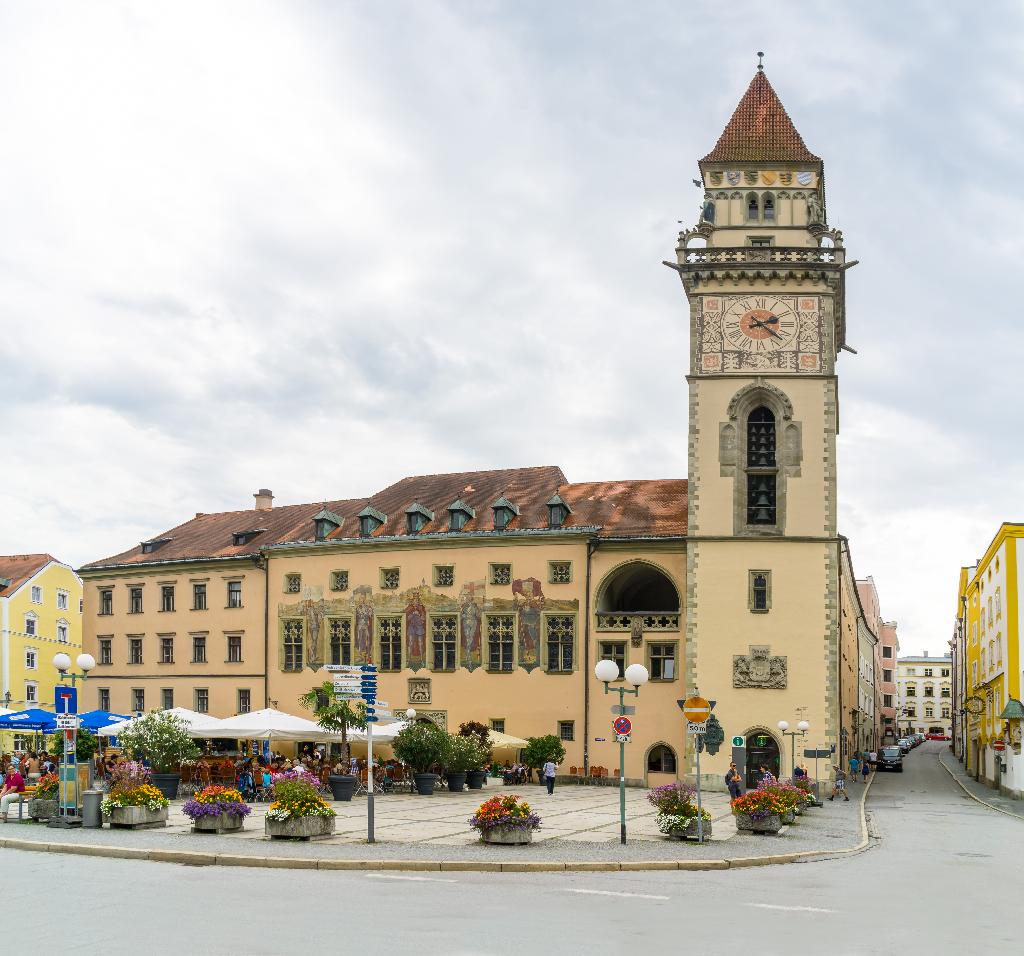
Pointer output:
x,y
558,511
244,537
148,547
417,517
324,522
459,513
504,512
370,519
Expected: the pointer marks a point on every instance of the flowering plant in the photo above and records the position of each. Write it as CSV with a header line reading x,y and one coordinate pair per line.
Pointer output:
x,y
793,796
676,809
162,738
215,800
296,797
759,804
47,787
298,774
504,811
130,787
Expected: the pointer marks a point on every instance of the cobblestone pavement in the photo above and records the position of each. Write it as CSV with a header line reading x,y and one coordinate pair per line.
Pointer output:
x,y
579,824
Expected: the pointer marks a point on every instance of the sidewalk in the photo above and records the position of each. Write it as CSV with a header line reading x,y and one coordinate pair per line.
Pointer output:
x,y
580,829
978,790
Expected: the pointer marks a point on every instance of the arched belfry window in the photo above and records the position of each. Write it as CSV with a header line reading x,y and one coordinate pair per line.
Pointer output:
x,y
761,467
753,208
768,207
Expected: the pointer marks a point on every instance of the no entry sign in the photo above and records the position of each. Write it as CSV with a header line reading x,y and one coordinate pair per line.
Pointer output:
x,y
622,725
696,709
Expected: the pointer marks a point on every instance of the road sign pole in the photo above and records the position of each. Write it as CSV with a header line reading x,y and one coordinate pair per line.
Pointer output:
x,y
700,823
369,782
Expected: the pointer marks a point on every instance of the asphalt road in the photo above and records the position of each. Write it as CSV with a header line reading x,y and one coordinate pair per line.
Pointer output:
x,y
944,878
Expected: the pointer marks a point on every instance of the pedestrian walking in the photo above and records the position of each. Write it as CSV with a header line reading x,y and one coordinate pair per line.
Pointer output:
x,y
865,769
549,775
732,781
854,767
839,784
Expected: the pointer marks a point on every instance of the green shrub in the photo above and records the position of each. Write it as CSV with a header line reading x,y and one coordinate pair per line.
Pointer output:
x,y
421,745
539,750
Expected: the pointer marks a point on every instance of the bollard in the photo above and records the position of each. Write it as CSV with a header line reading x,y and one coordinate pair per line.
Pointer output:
x,y
91,800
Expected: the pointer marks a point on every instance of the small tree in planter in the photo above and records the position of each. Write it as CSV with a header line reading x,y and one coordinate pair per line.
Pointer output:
x,y
337,716
539,750
133,801
422,746
462,755
677,812
476,776
46,799
217,809
297,811
162,740
506,818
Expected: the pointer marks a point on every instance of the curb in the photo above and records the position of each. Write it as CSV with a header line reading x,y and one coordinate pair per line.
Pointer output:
x,y
198,858
977,799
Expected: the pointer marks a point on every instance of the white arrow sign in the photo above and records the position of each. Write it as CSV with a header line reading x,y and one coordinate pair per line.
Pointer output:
x,y
381,703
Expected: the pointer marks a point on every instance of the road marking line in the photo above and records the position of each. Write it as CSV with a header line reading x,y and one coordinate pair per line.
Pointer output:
x,y
634,896
415,879
791,909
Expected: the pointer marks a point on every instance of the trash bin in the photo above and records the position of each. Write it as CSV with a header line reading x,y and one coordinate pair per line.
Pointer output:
x,y
91,800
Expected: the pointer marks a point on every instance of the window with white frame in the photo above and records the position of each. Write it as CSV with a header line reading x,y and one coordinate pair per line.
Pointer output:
x,y
37,594
62,632
31,658
31,692
30,624
62,600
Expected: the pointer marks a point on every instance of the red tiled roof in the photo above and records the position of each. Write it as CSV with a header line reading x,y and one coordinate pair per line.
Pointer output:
x,y
18,568
617,508
760,130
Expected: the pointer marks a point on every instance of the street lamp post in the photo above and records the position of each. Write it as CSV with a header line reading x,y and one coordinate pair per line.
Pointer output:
x,y
68,789
636,674
801,731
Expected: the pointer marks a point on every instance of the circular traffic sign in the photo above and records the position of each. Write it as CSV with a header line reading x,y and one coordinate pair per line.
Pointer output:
x,y
737,741
696,710
622,725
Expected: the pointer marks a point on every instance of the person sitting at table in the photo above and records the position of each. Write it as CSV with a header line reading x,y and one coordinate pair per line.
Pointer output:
x,y
12,792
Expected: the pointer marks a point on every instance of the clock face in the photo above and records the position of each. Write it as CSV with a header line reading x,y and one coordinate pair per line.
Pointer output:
x,y
760,323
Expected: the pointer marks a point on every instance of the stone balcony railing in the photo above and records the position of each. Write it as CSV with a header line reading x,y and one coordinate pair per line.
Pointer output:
x,y
655,621
770,255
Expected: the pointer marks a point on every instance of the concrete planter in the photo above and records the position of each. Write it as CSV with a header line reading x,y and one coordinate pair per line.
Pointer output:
x,y
689,832
300,828
508,836
137,818
789,817
224,823
770,824
43,809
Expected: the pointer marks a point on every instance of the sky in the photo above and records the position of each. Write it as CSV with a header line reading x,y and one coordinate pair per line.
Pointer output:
x,y
318,247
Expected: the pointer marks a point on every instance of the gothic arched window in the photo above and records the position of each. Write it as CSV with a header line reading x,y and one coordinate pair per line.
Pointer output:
x,y
753,208
768,205
761,467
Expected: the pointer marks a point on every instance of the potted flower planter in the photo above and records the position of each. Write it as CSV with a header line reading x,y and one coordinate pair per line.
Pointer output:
x,y
509,836
744,821
789,816
138,818
342,786
456,781
221,823
167,784
689,832
475,779
300,828
769,824
42,809
425,783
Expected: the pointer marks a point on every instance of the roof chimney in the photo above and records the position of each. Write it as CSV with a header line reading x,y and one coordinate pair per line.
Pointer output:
x,y
264,499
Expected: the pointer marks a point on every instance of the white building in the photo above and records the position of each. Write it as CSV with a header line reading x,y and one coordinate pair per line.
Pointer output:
x,y
925,694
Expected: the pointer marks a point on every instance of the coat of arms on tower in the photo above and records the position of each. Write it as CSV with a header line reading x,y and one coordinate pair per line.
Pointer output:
x,y
759,669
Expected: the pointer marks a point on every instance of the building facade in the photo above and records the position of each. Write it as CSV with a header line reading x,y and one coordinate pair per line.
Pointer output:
x,y
490,595
925,694
40,616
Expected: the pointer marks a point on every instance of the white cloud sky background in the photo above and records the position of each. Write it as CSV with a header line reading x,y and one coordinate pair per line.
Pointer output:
x,y
321,246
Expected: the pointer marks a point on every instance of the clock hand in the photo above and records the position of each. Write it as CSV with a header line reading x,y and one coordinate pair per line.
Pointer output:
x,y
757,323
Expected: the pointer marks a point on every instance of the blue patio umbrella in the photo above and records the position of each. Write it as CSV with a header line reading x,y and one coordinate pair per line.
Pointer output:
x,y
95,719
33,719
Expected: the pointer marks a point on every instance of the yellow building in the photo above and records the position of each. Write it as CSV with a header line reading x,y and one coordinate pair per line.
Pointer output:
x,y
40,615
490,595
989,647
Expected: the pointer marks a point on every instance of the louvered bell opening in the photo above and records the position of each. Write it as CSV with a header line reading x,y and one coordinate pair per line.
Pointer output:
x,y
761,499
761,439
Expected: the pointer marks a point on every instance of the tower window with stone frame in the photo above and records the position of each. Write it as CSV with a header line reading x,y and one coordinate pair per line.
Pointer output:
x,y
759,592
762,468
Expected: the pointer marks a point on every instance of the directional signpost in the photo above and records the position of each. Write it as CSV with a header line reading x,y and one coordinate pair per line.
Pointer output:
x,y
369,692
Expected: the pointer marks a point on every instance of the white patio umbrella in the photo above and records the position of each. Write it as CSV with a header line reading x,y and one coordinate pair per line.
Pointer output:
x,y
382,733
192,719
268,724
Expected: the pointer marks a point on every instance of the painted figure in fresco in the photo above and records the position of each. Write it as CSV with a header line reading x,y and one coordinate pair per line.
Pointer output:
x,y
314,608
416,630
469,623
363,645
529,599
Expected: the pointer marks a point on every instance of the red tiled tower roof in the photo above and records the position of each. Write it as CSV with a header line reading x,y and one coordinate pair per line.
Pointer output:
x,y
760,130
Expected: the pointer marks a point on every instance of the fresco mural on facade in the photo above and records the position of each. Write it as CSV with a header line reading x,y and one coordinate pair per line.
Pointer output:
x,y
471,597
415,631
528,598
414,605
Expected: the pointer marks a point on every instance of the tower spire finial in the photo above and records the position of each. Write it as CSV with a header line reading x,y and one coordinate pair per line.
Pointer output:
x,y
760,57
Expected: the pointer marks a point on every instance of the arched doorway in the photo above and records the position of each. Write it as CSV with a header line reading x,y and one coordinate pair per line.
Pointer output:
x,y
762,748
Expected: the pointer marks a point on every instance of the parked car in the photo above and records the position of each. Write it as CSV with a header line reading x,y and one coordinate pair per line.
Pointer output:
x,y
904,744
939,737
890,758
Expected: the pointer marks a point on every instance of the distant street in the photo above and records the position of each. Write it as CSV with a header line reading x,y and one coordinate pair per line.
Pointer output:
x,y
909,894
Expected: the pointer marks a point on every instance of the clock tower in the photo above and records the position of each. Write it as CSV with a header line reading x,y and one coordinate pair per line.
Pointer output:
x,y
763,274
